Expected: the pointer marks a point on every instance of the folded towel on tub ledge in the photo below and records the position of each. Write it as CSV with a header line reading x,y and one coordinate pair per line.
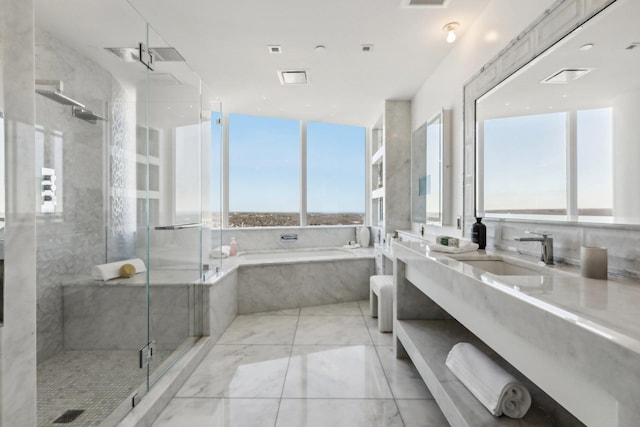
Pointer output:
x,y
495,388
112,270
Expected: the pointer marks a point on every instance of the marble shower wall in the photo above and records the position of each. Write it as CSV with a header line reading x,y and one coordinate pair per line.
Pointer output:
x,y
71,240
18,333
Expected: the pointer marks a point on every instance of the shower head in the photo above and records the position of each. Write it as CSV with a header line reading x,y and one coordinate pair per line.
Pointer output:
x,y
86,115
52,89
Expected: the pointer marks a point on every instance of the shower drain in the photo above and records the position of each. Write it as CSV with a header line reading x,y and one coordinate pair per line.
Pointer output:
x,y
69,416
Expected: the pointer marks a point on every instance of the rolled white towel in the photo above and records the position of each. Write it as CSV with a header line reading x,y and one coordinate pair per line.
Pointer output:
x,y
112,270
494,387
220,252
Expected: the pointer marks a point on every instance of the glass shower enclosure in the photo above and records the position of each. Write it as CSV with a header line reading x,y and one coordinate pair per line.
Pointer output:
x,y
127,160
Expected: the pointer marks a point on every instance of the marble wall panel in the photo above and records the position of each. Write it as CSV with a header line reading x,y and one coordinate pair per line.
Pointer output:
x,y
276,287
71,240
18,332
114,317
221,304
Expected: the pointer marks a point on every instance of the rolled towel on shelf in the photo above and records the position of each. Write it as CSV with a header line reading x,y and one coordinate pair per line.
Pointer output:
x,y
495,388
112,270
220,252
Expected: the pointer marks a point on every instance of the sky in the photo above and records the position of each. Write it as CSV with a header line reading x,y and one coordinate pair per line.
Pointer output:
x,y
264,166
529,152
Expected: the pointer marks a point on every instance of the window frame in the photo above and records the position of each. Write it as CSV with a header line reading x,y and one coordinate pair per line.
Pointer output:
x,y
302,179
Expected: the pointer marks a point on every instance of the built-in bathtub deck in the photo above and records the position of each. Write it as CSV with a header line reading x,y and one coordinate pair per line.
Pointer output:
x,y
278,280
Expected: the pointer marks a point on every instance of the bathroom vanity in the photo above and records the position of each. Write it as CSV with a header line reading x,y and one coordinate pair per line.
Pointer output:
x,y
571,340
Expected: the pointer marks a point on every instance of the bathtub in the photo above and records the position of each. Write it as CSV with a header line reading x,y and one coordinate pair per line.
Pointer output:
x,y
287,278
288,254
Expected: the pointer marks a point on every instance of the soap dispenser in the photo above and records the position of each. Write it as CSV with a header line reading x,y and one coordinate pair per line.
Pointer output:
x,y
479,233
233,247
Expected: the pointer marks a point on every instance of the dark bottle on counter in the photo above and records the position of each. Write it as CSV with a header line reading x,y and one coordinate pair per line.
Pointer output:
x,y
479,233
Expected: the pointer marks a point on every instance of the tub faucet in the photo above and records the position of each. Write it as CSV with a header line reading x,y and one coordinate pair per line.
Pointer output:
x,y
547,245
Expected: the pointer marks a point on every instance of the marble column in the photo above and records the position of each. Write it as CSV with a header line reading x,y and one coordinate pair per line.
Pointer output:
x,y
18,333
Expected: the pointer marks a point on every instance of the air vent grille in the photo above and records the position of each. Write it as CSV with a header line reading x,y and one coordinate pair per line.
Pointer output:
x,y
566,75
424,3
293,77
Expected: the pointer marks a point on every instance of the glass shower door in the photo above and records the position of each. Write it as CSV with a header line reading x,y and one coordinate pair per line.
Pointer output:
x,y
177,205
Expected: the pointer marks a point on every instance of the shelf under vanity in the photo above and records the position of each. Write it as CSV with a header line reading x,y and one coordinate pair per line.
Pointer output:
x,y
546,328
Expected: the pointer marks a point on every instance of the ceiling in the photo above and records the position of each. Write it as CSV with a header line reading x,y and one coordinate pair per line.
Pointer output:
x,y
226,43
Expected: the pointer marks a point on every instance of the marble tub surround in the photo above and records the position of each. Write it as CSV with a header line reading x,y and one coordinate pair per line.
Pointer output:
x,y
263,382
281,285
564,332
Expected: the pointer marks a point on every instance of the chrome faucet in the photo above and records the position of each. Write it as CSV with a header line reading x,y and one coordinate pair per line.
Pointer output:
x,y
547,245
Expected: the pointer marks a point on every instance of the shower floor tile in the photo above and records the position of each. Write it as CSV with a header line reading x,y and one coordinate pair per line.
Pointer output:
x,y
93,381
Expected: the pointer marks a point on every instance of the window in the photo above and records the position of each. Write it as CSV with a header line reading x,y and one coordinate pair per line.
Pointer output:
x,y
335,174
264,171
525,152
549,165
595,163
187,174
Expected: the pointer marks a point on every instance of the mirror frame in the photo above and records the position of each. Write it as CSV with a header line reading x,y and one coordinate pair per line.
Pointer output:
x,y
557,22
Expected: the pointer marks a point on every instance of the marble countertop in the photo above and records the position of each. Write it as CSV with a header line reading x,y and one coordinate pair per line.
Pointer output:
x,y
609,308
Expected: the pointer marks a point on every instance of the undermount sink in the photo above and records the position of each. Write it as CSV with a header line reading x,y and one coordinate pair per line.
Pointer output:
x,y
502,268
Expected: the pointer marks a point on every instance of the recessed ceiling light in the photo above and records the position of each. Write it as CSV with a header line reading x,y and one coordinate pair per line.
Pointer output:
x,y
274,49
585,47
320,49
367,48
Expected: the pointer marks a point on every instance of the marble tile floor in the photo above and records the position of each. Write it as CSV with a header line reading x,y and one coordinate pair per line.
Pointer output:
x,y
324,366
93,381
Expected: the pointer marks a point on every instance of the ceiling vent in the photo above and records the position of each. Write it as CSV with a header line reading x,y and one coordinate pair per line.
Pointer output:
x,y
293,77
566,75
425,3
274,49
165,54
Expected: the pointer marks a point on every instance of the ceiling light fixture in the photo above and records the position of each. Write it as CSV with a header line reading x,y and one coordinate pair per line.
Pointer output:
x,y
320,49
451,28
585,47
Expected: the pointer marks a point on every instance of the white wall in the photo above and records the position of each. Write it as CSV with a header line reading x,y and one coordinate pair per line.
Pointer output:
x,y
497,25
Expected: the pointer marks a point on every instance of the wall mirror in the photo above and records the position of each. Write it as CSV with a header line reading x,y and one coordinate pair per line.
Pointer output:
x,y
430,171
560,138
